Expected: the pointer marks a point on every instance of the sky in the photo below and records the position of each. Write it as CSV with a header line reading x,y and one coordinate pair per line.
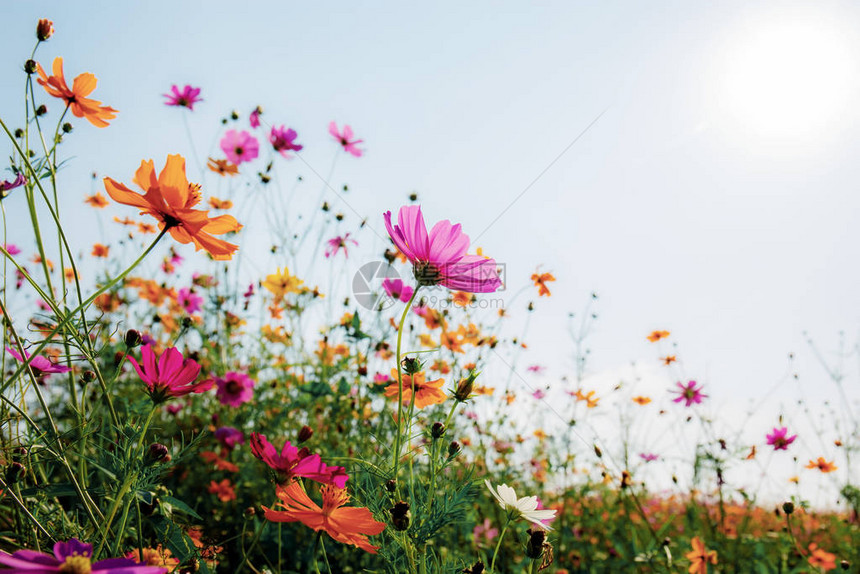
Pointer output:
x,y
712,193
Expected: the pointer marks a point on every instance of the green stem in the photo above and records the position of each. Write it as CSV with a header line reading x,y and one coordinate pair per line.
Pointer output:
x,y
397,438
499,545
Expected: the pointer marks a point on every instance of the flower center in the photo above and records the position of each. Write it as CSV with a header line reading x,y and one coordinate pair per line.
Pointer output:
x,y
239,151
426,273
76,564
233,388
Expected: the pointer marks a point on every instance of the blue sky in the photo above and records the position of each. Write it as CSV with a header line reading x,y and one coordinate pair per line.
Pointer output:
x,y
716,197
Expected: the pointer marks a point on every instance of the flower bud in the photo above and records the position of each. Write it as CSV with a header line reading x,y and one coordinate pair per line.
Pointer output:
x,y
391,485
845,565
477,568
44,29
305,434
453,449
157,453
788,507
19,133
598,452
400,516
412,365
30,66
67,128
88,376
465,386
437,430
626,479
234,115
42,110
413,197
132,338
534,547
14,472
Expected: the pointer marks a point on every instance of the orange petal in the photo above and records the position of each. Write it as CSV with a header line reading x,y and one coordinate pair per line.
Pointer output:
x,y
122,194
172,181
84,85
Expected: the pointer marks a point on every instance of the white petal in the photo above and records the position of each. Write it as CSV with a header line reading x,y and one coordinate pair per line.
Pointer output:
x,y
508,496
527,503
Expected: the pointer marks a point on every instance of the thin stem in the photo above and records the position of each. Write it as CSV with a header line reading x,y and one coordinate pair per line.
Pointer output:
x,y
397,438
499,545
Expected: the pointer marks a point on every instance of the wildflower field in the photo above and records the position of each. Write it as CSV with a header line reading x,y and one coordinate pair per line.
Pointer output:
x,y
170,403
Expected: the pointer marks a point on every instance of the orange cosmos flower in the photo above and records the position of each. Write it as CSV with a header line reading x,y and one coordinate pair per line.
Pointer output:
x,y
170,198
821,559
220,203
461,298
69,273
668,359
76,98
641,400
589,398
100,250
222,167
223,490
657,335
821,465
541,281
349,525
97,200
426,393
700,557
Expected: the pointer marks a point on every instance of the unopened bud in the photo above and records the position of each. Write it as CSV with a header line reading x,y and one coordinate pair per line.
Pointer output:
x,y
234,115
400,516
477,568
19,133
305,434
412,365
132,338
437,430
30,66
453,449
158,452
44,29
626,479
250,511
598,452
42,110
465,386
414,197
67,128
14,472
534,547
845,565
391,485
88,376
788,507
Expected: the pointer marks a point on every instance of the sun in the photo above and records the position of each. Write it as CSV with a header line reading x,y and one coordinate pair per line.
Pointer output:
x,y
787,79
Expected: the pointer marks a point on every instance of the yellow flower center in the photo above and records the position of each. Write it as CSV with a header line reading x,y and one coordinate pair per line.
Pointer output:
x,y
76,564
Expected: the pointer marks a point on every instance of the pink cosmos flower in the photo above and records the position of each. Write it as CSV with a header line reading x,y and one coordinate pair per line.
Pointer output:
x,y
396,289
778,439
189,300
186,97
234,389
484,534
41,366
249,292
11,249
345,139
648,457
71,557
239,147
254,118
689,393
538,394
537,369
6,185
284,140
293,461
335,244
171,376
230,437
381,378
440,256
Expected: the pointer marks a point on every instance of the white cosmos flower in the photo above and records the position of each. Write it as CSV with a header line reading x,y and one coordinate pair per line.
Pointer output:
x,y
525,506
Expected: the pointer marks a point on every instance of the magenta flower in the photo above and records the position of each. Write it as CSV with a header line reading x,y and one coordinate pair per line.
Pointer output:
x,y
284,140
249,292
345,139
239,147
229,437
41,365
292,462
648,457
440,256
73,557
778,439
254,118
689,393
538,394
6,185
189,300
381,378
172,376
11,249
537,369
396,289
234,389
335,244
185,98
